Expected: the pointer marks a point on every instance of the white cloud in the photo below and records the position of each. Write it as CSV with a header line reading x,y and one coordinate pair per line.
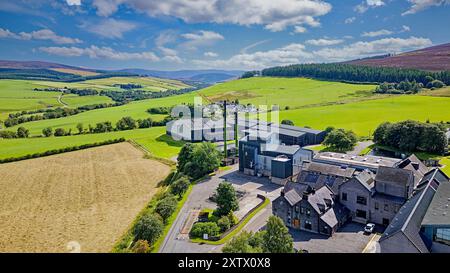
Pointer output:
x,y
247,48
376,47
210,54
405,29
297,53
350,20
290,54
95,52
274,15
201,38
73,2
299,29
324,42
43,34
109,28
382,32
367,4
419,5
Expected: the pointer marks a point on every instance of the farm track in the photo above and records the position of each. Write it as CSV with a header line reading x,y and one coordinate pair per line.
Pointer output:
x,y
89,197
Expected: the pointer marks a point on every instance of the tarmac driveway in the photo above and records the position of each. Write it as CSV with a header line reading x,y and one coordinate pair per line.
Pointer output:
x,y
349,239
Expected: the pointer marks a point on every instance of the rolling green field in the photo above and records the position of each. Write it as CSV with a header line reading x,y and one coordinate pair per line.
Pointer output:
x,y
137,110
148,84
363,117
292,92
153,139
18,95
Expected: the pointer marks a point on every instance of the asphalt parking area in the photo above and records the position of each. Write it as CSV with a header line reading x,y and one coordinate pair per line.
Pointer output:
x,y
349,239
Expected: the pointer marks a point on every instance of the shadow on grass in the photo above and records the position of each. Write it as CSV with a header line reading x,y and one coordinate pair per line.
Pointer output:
x,y
170,141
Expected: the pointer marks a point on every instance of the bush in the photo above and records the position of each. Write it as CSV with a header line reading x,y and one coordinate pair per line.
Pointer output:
x,y
145,123
126,123
47,132
141,246
149,228
166,206
180,186
197,160
224,223
60,132
210,228
341,140
22,132
7,134
287,122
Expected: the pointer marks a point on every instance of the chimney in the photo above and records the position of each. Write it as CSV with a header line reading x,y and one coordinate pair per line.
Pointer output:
x,y
282,192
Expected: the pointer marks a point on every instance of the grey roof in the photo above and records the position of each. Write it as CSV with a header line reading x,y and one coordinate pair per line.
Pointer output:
x,y
366,178
300,129
329,169
280,149
364,162
291,133
439,210
409,218
331,216
393,175
413,164
292,197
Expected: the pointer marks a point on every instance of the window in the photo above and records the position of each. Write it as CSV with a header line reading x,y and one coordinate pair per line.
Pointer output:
x,y
377,206
361,214
302,210
308,212
361,200
308,225
344,196
443,235
386,207
296,209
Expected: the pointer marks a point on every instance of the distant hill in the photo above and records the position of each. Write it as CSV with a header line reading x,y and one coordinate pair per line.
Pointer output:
x,y
39,65
436,58
208,76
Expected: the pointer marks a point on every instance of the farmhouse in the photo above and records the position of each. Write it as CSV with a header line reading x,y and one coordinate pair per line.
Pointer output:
x,y
371,194
422,224
304,208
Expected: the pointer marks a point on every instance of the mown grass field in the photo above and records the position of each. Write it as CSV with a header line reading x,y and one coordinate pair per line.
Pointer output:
x,y
84,199
363,117
148,84
153,139
18,95
137,110
292,92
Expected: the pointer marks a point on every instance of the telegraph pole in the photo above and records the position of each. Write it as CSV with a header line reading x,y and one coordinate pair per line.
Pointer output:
x,y
225,129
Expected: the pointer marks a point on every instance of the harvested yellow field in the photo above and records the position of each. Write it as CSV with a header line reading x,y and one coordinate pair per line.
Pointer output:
x,y
85,199
76,71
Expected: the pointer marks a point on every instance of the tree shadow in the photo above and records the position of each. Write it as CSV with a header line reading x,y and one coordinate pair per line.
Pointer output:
x,y
170,141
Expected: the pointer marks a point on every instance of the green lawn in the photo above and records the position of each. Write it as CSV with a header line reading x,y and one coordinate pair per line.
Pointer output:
x,y
363,117
148,84
153,139
292,92
137,110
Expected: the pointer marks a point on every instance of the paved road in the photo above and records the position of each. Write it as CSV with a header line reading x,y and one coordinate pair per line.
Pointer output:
x,y
175,242
360,147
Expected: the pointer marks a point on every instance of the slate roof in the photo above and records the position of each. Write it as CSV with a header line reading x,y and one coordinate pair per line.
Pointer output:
x,y
413,164
329,169
363,162
393,175
280,149
439,210
292,197
318,175
366,178
409,218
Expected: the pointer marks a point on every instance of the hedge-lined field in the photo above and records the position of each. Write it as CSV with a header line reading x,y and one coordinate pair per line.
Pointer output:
x,y
153,139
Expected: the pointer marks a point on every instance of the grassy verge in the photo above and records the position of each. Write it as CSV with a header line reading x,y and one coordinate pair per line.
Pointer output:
x,y
366,150
171,219
236,230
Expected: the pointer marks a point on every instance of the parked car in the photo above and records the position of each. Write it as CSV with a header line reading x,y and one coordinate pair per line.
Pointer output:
x,y
369,228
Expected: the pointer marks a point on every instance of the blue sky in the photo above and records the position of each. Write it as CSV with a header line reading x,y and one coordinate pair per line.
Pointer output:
x,y
222,34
